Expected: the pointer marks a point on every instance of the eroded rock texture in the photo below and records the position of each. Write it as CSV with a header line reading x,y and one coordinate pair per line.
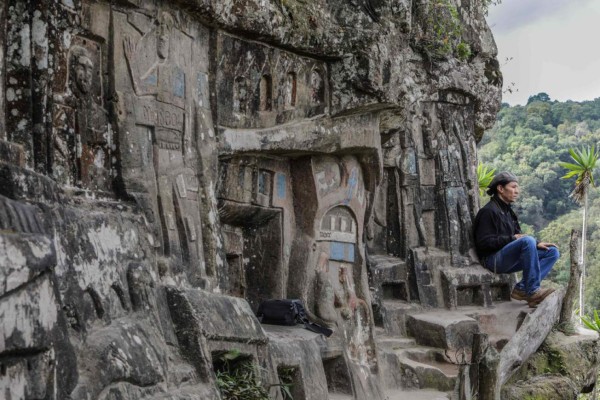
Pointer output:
x,y
167,165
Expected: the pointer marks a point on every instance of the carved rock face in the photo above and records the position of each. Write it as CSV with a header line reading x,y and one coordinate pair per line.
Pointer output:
x,y
82,72
181,153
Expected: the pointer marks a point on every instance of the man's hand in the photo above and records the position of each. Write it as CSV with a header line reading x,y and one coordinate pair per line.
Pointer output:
x,y
545,246
519,235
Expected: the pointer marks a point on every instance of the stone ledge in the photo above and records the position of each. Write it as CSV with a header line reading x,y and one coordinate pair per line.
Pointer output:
x,y
214,316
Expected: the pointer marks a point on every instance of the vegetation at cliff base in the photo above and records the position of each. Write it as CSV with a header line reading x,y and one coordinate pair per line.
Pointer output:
x,y
530,141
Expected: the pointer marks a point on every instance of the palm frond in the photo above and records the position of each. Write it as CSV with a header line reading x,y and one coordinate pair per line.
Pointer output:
x,y
485,174
582,169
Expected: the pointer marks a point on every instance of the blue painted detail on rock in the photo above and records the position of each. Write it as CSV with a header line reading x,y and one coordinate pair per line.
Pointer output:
x,y
340,251
179,82
281,184
151,80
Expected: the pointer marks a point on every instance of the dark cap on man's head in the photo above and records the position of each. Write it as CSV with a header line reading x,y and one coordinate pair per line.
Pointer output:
x,y
501,178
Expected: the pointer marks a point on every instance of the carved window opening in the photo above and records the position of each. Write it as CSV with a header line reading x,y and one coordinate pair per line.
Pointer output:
x,y
500,292
234,366
266,93
337,375
469,295
394,291
264,182
290,90
291,377
263,187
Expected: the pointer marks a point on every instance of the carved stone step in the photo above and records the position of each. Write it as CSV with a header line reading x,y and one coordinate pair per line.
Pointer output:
x,y
394,314
389,343
443,329
499,322
427,368
417,368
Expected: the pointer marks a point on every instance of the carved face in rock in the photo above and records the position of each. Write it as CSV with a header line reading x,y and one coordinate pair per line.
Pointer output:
x,y
164,35
82,71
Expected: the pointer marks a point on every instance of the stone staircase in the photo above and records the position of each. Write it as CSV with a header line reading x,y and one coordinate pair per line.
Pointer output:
x,y
407,367
421,348
425,364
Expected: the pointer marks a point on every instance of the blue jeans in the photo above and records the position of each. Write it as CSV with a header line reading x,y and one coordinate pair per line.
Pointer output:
x,y
523,255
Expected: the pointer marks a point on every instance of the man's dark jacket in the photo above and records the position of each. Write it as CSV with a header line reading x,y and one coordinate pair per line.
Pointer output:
x,y
495,226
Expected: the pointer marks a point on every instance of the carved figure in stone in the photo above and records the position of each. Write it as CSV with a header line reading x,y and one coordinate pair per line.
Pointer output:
x,y
161,75
335,276
82,142
357,316
328,177
159,64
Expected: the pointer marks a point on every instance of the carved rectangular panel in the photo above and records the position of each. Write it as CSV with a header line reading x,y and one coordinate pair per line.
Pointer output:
x,y
259,86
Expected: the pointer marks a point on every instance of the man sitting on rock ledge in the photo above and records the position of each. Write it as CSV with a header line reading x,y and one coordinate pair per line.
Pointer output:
x,y
502,248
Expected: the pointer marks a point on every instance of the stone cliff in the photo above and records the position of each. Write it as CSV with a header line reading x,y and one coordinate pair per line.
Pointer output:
x,y
165,166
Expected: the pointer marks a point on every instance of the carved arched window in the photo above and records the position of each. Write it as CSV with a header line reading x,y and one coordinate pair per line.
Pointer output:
x,y
266,93
339,227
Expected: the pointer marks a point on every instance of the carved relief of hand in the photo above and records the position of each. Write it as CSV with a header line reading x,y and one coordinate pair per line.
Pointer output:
x,y
130,48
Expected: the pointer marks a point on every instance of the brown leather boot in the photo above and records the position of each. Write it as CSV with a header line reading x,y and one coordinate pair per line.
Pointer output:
x,y
518,294
537,297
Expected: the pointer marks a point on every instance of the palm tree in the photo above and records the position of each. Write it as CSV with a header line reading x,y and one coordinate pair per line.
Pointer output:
x,y
582,168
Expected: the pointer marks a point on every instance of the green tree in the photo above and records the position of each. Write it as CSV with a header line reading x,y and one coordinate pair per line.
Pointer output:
x,y
582,169
538,97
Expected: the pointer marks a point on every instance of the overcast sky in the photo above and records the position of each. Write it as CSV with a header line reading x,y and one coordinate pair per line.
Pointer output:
x,y
554,46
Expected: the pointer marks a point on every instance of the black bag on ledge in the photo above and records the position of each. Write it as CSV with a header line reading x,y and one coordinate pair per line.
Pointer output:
x,y
288,312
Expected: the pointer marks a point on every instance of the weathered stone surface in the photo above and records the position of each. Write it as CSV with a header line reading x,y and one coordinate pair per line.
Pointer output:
x,y
121,352
159,157
560,362
189,311
550,387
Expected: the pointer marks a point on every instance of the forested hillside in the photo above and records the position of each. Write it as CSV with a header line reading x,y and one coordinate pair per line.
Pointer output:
x,y
530,140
